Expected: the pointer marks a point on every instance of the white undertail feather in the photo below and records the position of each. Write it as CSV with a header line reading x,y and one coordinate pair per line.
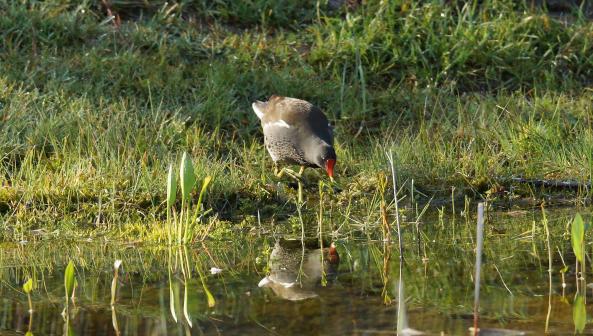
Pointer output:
x,y
264,282
258,112
278,123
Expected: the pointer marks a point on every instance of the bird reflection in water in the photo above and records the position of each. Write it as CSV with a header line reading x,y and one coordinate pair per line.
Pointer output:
x,y
296,270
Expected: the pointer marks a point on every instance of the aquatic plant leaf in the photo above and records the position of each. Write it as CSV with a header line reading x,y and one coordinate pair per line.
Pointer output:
x,y
185,312
28,286
187,176
171,292
205,184
172,303
69,331
209,296
116,266
171,187
579,314
211,301
69,279
577,237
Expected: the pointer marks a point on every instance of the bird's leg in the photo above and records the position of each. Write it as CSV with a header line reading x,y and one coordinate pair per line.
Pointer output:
x,y
278,172
301,171
297,177
292,174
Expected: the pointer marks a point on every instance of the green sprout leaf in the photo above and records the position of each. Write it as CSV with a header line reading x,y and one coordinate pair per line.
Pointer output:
x,y
205,184
577,235
579,314
171,187
69,279
187,176
28,286
211,301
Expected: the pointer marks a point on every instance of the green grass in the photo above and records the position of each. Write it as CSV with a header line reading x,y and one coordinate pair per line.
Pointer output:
x,y
91,115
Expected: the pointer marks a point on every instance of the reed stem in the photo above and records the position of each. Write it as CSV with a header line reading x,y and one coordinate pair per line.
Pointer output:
x,y
478,266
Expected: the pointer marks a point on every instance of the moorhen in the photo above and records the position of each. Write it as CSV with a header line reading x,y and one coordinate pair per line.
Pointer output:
x,y
296,270
296,132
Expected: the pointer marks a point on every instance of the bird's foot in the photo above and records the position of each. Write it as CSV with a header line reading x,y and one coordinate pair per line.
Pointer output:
x,y
280,172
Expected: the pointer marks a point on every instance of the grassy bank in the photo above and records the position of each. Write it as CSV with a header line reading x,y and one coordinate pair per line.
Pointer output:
x,y
93,109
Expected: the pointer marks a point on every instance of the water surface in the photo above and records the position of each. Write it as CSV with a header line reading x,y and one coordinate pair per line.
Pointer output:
x,y
269,284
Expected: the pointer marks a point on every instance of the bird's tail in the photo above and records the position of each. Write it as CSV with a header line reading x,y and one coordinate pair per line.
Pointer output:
x,y
259,108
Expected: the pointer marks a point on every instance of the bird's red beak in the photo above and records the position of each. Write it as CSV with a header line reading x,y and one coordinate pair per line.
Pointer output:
x,y
334,257
329,167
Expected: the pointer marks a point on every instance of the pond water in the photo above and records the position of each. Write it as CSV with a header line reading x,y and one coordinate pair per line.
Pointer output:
x,y
269,284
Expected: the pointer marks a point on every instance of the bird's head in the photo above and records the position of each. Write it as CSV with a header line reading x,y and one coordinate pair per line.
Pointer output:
x,y
327,160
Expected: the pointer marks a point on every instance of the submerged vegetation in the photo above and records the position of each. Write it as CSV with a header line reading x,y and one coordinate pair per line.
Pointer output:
x,y
98,99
